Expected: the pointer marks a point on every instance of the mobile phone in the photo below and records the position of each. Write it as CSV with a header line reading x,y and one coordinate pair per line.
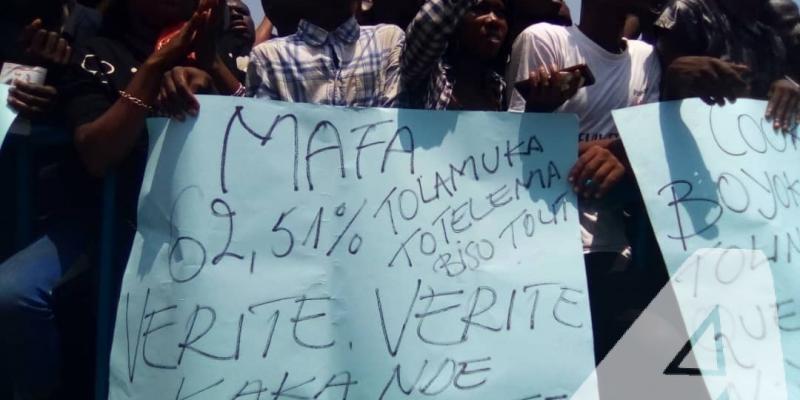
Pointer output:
x,y
586,73
588,78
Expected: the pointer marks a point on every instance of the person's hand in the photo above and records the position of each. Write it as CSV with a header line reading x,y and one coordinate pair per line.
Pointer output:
x,y
547,89
177,49
31,100
178,89
711,79
44,47
597,171
206,48
784,101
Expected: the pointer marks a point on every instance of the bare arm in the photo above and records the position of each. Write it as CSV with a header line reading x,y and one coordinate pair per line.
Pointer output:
x,y
109,139
106,141
264,31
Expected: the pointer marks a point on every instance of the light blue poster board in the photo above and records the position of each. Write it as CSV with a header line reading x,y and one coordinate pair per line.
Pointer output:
x,y
722,178
324,253
7,114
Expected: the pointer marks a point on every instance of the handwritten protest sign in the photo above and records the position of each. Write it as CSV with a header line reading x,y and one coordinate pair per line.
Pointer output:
x,y
722,178
7,114
305,252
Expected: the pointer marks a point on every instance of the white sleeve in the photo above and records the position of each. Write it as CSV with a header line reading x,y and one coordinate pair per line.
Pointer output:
x,y
535,46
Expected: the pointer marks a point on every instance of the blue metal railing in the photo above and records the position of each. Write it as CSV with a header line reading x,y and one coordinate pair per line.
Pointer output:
x,y
24,147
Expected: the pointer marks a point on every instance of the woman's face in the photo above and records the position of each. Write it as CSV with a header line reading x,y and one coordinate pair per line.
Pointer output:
x,y
484,29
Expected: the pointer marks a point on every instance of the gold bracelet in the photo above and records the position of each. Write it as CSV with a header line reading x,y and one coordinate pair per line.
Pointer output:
x,y
135,100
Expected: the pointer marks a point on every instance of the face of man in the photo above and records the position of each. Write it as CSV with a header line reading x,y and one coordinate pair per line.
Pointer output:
x,y
241,23
484,29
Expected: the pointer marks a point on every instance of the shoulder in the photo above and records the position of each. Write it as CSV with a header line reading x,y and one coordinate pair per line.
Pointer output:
x,y
271,48
545,30
643,54
386,33
542,37
640,49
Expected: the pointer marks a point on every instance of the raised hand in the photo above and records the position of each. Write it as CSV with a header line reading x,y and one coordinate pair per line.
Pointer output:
x,y
44,47
711,79
784,105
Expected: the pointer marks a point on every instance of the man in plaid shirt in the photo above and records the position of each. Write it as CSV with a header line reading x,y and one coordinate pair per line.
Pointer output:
x,y
330,60
333,60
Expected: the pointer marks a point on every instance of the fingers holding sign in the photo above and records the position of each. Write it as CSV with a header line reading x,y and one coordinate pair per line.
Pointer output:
x,y
784,101
178,88
597,171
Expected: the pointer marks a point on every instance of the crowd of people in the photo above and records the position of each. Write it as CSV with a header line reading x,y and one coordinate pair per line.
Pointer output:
x,y
112,65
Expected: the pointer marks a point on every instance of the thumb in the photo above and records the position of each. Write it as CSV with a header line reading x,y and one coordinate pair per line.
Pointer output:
x,y
30,30
740,68
190,27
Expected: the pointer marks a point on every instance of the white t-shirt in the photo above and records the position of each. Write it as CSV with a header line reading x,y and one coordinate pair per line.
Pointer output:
x,y
622,80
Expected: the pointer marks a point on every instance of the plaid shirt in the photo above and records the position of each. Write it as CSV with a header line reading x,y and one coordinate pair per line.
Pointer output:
x,y
352,66
427,79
